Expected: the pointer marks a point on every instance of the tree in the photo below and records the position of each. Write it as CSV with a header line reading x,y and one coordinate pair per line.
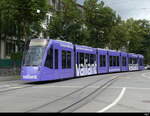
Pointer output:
x,y
66,24
19,16
145,48
99,20
135,35
119,37
26,15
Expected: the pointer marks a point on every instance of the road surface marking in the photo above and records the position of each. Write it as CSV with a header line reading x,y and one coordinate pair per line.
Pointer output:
x,y
144,75
115,102
16,87
128,88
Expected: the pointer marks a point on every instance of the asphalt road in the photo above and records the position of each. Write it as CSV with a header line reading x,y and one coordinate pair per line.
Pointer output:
x,y
117,92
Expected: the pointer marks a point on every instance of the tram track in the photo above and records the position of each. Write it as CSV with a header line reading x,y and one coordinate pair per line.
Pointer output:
x,y
74,106
8,86
11,86
75,98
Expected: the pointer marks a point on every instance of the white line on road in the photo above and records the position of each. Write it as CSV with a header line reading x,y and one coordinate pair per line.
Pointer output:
x,y
144,75
115,102
137,88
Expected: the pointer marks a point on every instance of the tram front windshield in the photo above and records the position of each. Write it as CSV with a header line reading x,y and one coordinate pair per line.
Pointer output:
x,y
33,56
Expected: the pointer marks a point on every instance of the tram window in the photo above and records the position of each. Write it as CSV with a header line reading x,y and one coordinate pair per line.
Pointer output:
x,y
117,61
56,59
130,60
102,60
77,58
87,58
123,61
114,61
110,60
92,58
135,62
82,58
68,59
49,58
141,62
64,59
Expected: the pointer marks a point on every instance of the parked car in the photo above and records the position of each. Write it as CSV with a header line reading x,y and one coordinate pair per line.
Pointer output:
x,y
147,67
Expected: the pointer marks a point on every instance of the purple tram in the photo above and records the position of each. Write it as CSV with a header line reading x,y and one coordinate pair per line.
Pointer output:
x,y
47,59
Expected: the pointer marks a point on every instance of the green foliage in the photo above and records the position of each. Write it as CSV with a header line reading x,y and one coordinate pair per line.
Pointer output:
x,y
66,24
119,37
94,24
16,59
18,17
99,20
16,56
